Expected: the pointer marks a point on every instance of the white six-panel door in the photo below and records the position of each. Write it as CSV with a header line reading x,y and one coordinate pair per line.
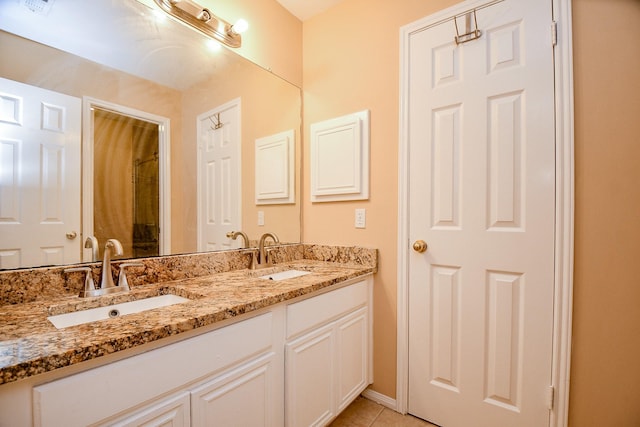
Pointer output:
x,y
219,176
39,176
482,182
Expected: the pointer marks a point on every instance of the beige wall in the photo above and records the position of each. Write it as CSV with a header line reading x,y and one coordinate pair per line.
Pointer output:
x,y
605,371
350,63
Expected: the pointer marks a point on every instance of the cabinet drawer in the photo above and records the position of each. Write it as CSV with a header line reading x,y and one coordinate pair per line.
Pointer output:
x,y
307,314
94,395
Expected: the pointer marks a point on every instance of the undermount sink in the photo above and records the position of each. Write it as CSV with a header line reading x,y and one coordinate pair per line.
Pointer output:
x,y
115,310
282,275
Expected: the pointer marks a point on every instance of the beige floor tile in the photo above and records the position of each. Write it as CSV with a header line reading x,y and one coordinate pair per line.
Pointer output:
x,y
361,413
389,418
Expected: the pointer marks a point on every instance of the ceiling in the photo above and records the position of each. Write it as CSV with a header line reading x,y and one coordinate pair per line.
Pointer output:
x,y
305,9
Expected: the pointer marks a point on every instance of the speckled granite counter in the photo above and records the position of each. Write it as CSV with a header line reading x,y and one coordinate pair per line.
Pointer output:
x,y
30,344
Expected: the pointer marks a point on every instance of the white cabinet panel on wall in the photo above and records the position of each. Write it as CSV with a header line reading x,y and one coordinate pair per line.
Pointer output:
x,y
275,169
340,158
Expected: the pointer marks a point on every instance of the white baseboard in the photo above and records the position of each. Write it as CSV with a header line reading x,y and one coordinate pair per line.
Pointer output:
x,y
381,399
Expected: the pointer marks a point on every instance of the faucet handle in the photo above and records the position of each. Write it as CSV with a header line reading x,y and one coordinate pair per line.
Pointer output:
x,y
89,285
123,283
254,259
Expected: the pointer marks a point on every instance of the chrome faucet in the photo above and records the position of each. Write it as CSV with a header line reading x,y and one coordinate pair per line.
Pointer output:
x,y
263,259
106,281
234,234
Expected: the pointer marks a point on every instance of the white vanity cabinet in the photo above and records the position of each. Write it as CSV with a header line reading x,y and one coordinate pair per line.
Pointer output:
x,y
328,354
201,381
294,364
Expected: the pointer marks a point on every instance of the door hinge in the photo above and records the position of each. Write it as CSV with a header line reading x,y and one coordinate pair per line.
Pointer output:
x,y
554,33
550,397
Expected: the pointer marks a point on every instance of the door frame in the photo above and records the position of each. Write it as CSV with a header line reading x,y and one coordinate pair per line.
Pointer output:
x,y
164,165
564,210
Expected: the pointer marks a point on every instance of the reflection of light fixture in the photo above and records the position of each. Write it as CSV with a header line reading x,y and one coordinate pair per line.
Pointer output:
x,y
203,20
239,27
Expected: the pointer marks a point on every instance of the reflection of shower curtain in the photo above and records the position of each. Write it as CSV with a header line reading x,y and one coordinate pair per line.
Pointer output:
x,y
146,192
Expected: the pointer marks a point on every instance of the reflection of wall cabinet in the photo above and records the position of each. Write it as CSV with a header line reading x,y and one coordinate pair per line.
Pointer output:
x,y
328,354
234,375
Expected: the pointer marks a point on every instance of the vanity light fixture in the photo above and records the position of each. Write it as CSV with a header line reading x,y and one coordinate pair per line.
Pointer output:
x,y
203,20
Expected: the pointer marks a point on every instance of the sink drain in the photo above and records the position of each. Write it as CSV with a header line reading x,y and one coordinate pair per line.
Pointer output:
x,y
114,313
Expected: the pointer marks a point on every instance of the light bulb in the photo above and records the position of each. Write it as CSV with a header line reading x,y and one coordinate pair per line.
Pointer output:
x,y
240,26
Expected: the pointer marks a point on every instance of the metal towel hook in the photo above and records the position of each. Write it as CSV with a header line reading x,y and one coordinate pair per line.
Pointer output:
x,y
470,34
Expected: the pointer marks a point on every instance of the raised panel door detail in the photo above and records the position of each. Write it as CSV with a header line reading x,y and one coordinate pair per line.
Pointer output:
x,y
352,364
52,180
210,182
226,191
53,255
241,397
310,383
445,321
10,258
446,64
172,412
9,180
505,292
506,186
446,167
53,117
10,109
505,47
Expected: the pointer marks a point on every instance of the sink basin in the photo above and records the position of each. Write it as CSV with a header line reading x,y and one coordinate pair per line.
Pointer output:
x,y
282,275
115,310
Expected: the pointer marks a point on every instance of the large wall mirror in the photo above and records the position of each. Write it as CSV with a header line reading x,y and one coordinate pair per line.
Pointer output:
x,y
153,100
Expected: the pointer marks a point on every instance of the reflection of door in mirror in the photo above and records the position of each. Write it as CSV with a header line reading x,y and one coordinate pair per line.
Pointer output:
x,y
126,182
39,176
219,172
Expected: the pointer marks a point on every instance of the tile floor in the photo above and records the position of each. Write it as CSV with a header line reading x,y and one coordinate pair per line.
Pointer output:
x,y
366,413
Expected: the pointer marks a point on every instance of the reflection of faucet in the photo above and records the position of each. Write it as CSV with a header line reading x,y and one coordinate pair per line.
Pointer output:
x,y
106,280
263,259
92,243
234,234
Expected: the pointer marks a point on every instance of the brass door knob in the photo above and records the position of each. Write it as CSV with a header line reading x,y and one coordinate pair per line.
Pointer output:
x,y
420,246
71,235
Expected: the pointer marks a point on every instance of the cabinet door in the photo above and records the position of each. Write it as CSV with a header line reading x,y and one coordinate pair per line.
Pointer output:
x,y
352,365
172,412
241,397
309,378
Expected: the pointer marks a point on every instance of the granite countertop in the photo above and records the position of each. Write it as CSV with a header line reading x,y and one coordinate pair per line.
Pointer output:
x,y
31,345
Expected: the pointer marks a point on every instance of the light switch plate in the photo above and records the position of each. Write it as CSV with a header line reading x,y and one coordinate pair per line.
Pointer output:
x,y
361,218
260,217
